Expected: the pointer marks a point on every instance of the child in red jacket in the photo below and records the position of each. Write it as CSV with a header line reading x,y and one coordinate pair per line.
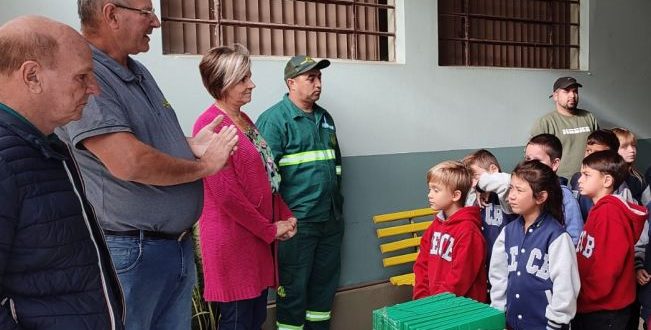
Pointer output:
x,y
605,251
452,250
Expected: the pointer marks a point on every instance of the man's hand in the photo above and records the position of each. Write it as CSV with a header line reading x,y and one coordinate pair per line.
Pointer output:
x,y
219,149
202,139
643,276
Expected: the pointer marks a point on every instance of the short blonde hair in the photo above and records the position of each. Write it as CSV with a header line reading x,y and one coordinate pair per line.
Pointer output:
x,y
453,175
223,67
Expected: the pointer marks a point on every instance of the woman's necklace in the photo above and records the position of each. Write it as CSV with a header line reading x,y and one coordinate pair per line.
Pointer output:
x,y
236,117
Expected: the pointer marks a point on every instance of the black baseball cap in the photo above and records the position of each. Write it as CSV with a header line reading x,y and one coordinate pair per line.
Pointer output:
x,y
300,64
563,83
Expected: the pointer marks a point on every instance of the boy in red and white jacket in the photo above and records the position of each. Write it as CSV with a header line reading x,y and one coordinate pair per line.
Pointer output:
x,y
452,250
605,252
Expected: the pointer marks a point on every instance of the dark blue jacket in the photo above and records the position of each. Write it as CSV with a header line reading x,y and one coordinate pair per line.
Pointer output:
x,y
494,218
644,293
647,248
55,268
534,274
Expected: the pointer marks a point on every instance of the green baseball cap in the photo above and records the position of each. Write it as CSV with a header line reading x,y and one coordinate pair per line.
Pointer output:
x,y
300,64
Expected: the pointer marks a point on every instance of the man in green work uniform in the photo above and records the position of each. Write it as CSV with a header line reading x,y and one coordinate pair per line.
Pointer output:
x,y
303,139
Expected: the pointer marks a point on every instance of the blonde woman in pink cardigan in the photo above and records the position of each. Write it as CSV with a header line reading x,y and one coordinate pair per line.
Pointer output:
x,y
243,215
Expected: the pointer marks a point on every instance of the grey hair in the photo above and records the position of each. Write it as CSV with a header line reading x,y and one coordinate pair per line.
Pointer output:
x,y
223,67
90,10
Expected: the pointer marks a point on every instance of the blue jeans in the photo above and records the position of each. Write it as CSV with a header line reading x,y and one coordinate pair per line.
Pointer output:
x,y
248,314
157,277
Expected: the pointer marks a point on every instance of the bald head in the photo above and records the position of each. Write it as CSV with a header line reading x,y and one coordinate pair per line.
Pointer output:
x,y
46,71
34,38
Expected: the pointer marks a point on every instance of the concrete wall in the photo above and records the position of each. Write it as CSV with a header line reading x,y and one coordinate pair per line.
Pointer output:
x,y
395,120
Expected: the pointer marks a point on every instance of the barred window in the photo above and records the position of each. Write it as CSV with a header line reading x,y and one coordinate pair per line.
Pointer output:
x,y
345,29
509,33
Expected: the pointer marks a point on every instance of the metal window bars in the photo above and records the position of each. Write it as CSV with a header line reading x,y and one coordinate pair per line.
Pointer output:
x,y
509,33
348,29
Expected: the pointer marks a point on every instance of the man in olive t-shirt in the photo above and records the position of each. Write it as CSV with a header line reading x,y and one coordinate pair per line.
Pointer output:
x,y
570,124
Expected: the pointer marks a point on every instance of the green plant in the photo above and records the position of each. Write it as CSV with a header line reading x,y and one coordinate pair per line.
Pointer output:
x,y
204,317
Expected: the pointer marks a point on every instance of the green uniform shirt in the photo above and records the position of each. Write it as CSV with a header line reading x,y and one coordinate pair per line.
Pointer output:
x,y
573,132
307,153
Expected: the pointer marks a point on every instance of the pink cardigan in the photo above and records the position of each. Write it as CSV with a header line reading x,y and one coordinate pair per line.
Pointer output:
x,y
236,227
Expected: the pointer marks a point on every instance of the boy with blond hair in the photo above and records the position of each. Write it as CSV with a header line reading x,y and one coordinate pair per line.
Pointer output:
x,y
452,250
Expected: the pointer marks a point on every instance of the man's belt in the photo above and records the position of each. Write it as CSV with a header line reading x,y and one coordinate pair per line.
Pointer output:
x,y
149,234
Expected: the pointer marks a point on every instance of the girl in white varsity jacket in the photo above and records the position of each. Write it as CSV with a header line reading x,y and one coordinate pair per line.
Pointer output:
x,y
533,270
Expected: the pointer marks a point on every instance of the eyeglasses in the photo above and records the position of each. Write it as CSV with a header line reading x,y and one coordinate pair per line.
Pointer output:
x,y
145,12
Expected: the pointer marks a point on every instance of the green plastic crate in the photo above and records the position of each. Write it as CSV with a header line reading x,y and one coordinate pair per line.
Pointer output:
x,y
441,312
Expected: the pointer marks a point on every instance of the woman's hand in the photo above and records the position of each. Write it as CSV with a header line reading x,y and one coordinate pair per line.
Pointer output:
x,y
282,229
294,223
286,229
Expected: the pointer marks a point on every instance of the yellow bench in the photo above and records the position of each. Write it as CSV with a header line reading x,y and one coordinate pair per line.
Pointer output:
x,y
404,225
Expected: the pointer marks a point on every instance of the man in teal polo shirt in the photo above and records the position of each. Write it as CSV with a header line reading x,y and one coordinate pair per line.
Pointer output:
x,y
303,139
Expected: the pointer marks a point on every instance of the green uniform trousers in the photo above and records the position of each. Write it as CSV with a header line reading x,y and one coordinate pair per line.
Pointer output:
x,y
309,265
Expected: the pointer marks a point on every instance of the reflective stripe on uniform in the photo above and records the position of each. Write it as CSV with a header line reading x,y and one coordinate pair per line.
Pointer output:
x,y
306,157
317,316
338,169
282,326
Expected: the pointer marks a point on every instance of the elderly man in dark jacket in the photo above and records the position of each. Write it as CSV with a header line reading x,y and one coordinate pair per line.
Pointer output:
x,y
55,269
